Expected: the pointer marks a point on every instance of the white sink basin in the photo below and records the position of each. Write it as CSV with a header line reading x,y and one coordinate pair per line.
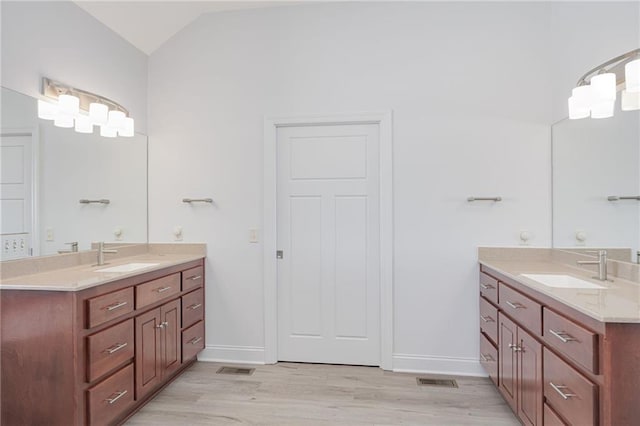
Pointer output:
x,y
129,267
562,281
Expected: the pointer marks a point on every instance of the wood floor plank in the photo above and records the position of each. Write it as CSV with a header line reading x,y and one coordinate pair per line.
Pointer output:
x,y
318,394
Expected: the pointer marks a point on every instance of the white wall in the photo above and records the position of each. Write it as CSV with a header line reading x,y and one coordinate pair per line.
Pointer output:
x,y
63,42
456,77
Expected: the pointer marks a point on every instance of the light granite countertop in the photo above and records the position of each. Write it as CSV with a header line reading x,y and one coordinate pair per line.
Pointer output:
x,y
618,302
86,275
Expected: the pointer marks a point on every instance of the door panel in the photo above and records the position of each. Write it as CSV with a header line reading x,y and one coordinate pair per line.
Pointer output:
x,y
306,266
530,380
328,229
508,361
171,356
148,371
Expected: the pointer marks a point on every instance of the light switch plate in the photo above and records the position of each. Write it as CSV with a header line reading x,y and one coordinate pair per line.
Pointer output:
x,y
253,236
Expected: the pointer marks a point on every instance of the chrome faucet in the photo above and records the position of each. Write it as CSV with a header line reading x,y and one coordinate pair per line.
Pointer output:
x,y
74,248
601,262
102,251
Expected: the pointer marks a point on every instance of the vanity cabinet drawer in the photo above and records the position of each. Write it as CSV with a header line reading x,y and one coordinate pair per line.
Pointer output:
x,y
489,288
156,290
489,320
489,358
109,306
192,307
522,309
192,341
110,398
551,418
109,349
576,342
568,392
192,278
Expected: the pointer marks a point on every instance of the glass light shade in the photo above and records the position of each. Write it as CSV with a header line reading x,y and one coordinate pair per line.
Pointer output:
x,y
128,129
84,124
99,113
116,120
632,76
108,131
68,104
630,100
577,112
603,87
602,109
46,110
63,121
582,97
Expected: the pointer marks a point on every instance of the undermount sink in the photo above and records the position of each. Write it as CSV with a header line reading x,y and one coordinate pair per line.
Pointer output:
x,y
562,281
128,267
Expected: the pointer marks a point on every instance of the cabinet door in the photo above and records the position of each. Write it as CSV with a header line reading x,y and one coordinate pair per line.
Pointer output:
x,y
171,337
148,340
530,387
508,360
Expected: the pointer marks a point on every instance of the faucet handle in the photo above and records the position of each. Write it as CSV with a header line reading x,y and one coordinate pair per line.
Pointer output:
x,y
600,252
74,246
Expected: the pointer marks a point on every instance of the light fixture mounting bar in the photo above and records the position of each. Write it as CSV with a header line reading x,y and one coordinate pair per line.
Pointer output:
x,y
618,67
53,89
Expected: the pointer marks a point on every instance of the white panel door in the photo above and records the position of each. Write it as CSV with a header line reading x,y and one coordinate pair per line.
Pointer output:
x,y
16,195
328,232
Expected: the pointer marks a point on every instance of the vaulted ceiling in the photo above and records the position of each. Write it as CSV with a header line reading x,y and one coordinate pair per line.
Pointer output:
x,y
148,24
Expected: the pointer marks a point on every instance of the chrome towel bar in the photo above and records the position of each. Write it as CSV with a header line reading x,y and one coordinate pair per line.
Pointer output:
x,y
472,199
616,197
102,201
197,200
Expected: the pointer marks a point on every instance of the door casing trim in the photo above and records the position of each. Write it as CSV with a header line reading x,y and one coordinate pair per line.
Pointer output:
x,y
269,227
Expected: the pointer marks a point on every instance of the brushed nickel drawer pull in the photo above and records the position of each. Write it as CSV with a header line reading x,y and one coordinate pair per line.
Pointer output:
x,y
195,340
116,306
515,348
563,336
197,277
559,388
162,324
487,358
194,306
487,286
114,399
515,305
163,289
115,348
487,319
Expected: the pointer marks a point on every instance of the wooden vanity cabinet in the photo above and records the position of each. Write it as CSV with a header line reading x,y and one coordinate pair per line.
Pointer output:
x,y
520,371
556,365
157,346
97,355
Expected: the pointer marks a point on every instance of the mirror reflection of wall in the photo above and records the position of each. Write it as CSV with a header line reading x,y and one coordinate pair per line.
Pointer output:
x,y
47,170
593,160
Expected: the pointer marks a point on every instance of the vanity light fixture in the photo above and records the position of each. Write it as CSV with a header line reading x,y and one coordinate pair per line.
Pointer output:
x,y
70,107
595,93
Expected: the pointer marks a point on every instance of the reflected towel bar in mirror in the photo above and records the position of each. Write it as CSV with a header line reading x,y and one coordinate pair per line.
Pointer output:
x,y
102,201
197,200
472,199
616,198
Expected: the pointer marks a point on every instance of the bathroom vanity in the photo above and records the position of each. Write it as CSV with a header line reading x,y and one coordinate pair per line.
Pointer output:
x,y
565,352
83,346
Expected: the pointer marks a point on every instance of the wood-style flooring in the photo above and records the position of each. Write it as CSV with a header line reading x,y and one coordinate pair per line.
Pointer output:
x,y
317,394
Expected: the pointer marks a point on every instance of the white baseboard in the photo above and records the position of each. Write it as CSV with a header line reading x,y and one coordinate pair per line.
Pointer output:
x,y
409,363
232,354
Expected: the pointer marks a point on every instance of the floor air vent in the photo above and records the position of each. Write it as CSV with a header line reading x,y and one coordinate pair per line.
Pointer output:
x,y
235,370
426,381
